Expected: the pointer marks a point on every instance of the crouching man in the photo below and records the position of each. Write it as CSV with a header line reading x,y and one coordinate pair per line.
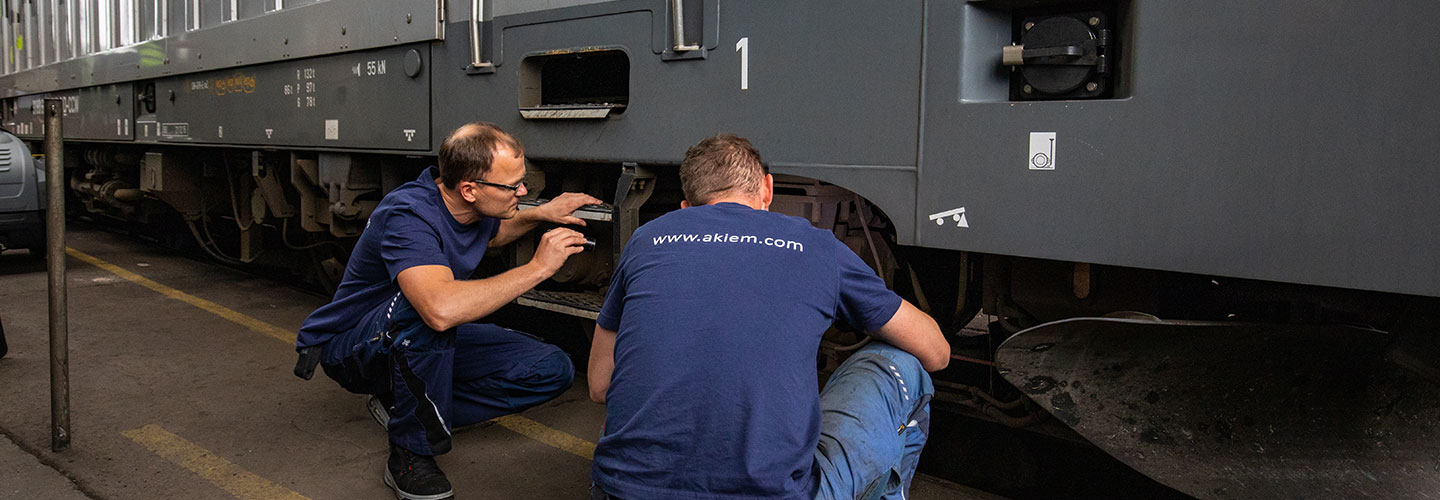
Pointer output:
x,y
402,324
704,354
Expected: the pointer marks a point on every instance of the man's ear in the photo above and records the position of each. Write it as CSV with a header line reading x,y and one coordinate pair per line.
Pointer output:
x,y
767,192
461,190
684,204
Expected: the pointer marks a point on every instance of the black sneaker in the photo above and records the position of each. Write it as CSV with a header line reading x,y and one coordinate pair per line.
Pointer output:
x,y
415,477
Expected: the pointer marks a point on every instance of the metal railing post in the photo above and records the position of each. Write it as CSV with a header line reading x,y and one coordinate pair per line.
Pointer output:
x,y
677,20
55,254
477,11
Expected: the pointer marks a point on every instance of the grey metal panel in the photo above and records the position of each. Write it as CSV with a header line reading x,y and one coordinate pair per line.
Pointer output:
x,y
29,20
45,31
511,7
26,119
253,8
7,37
149,19
1250,147
315,29
176,14
212,12
100,113
833,90
64,30
95,113
364,97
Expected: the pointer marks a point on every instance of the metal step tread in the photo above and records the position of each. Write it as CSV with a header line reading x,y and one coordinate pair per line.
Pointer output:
x,y
581,304
588,212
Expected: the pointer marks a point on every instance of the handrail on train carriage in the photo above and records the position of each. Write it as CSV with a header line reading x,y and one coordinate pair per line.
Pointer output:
x,y
477,10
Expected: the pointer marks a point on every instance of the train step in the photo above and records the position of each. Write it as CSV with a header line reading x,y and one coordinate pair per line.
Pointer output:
x,y
598,213
581,304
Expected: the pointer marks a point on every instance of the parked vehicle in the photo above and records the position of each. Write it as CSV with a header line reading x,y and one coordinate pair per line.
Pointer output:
x,y
22,197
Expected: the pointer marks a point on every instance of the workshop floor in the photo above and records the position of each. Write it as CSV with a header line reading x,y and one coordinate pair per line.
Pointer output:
x,y
181,387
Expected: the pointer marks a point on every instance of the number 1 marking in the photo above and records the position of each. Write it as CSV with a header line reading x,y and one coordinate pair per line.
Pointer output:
x,y
743,47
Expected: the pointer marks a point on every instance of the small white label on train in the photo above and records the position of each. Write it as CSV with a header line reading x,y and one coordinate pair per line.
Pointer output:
x,y
1042,151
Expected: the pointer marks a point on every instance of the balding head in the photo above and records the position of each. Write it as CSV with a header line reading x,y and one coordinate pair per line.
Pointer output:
x,y
469,151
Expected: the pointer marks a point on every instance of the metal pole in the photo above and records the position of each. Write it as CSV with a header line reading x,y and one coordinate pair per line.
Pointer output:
x,y
55,254
477,13
677,19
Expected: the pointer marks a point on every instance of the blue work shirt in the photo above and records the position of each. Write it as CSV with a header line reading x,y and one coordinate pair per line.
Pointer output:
x,y
718,311
410,227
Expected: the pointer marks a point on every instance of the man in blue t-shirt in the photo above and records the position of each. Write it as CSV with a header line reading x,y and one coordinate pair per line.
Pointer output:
x,y
704,354
402,324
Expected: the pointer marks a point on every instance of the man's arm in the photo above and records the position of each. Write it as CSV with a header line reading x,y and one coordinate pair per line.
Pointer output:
x,y
915,332
602,363
444,302
558,210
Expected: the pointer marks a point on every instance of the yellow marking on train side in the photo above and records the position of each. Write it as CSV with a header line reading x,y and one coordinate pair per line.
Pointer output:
x,y
220,472
518,424
253,324
548,435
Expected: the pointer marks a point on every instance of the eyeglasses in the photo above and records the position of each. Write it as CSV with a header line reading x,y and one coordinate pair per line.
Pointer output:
x,y
509,187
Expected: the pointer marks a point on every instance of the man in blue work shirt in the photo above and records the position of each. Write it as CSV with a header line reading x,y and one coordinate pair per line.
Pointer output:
x,y
402,324
704,354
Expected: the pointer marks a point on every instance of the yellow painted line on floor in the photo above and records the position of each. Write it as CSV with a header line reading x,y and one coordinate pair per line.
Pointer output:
x,y
218,471
211,307
529,428
548,435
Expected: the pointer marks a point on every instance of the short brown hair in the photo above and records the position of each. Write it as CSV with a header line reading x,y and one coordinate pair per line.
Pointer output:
x,y
468,152
721,164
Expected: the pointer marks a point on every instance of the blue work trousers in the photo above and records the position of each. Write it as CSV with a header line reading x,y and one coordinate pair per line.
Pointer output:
x,y
874,420
436,381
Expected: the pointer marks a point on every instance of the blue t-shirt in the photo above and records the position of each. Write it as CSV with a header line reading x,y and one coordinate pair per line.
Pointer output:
x,y
718,311
411,227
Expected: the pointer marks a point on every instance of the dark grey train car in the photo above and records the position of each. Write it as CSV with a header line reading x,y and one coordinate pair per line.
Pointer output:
x,y
1226,166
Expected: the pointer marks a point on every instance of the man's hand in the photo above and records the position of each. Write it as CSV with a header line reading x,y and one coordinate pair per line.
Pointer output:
x,y
561,210
557,245
558,211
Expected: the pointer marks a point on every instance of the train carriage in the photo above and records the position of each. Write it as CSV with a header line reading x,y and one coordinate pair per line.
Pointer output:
x,y
1247,181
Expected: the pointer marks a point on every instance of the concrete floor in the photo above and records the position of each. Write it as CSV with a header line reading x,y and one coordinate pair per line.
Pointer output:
x,y
171,400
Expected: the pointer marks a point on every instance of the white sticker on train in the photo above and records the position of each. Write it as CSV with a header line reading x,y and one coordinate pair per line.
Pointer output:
x,y
1042,151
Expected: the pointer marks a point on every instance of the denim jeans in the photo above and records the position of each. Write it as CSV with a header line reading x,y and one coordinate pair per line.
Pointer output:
x,y
874,420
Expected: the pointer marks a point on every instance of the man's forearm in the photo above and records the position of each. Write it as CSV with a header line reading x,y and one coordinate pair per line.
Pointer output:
x,y
602,363
513,228
915,332
469,300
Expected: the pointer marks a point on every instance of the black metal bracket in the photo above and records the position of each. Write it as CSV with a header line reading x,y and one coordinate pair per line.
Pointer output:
x,y
634,188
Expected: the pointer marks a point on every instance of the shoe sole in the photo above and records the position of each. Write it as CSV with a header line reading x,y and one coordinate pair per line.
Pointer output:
x,y
390,481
